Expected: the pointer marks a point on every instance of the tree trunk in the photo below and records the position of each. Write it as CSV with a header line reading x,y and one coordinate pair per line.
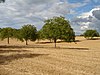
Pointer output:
x,y
91,38
8,40
38,40
50,40
55,40
26,42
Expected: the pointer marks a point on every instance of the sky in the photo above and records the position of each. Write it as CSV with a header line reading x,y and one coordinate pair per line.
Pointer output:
x,y
82,14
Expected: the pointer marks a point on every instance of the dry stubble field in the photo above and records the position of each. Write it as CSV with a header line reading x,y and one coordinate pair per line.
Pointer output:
x,y
82,58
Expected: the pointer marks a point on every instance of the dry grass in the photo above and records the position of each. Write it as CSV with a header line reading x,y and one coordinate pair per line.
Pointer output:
x,y
82,58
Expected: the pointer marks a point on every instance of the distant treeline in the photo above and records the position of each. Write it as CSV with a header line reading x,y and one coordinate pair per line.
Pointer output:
x,y
53,29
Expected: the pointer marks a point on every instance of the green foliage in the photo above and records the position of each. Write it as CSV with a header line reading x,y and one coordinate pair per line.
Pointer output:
x,y
89,34
40,35
6,33
0,29
28,32
53,29
58,28
17,34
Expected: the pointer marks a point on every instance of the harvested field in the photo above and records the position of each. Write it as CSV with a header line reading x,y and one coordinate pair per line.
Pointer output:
x,y
82,58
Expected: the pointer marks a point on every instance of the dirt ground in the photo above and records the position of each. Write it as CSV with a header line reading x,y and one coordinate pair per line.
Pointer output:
x,y
42,58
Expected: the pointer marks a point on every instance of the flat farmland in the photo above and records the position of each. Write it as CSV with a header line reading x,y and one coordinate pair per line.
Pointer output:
x,y
42,58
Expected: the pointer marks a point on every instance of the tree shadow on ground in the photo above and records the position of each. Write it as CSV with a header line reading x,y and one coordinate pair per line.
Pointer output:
x,y
5,59
61,41
43,42
19,47
94,39
8,51
6,46
79,48
36,46
73,48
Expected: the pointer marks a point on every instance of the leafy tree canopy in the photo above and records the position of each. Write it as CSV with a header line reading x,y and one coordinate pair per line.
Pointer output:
x,y
89,34
58,28
6,33
28,32
17,34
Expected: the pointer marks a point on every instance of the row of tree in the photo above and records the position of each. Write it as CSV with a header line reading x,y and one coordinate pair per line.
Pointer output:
x,y
27,32
53,29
